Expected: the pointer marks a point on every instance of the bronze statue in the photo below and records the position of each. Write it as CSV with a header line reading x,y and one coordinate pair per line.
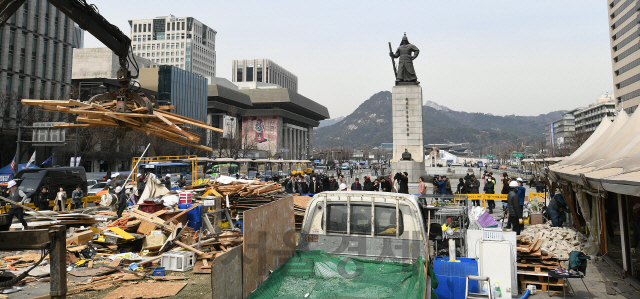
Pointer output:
x,y
407,52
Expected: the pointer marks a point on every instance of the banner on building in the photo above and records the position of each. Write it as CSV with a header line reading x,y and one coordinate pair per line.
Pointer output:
x,y
244,169
260,132
229,127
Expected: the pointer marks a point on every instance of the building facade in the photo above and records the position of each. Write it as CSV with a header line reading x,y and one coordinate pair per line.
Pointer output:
x,y
186,91
559,134
625,55
101,63
36,48
246,71
588,119
182,42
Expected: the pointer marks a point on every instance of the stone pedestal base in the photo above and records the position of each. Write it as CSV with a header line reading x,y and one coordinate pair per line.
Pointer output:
x,y
414,170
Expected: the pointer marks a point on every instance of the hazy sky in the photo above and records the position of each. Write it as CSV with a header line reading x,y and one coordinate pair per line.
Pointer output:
x,y
499,57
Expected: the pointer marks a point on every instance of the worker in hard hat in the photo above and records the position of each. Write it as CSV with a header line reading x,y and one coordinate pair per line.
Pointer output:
x,y
16,195
513,206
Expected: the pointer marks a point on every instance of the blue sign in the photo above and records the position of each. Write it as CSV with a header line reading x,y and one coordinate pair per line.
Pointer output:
x,y
316,161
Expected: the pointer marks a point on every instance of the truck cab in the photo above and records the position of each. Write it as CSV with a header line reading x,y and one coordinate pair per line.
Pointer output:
x,y
370,225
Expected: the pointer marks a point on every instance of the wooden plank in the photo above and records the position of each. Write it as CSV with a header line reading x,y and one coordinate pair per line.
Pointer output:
x,y
66,125
187,247
189,121
265,246
48,102
226,275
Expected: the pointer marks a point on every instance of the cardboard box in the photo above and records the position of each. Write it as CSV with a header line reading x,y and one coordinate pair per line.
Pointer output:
x,y
536,218
82,237
153,242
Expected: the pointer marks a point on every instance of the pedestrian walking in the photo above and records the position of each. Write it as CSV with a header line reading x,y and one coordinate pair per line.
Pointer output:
x,y
513,202
16,195
474,188
61,200
422,189
489,188
403,183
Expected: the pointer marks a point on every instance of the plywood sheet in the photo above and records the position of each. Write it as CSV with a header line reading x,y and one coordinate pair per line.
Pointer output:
x,y
226,275
146,290
268,241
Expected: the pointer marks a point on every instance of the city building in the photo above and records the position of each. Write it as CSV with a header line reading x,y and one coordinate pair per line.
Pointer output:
x,y
101,63
248,71
560,133
458,149
185,90
262,123
624,32
182,42
588,119
36,48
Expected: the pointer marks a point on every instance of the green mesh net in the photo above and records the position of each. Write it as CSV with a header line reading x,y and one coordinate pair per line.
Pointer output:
x,y
323,275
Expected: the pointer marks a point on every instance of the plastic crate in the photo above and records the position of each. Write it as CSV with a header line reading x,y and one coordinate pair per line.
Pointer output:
x,y
179,261
491,234
159,271
452,277
185,197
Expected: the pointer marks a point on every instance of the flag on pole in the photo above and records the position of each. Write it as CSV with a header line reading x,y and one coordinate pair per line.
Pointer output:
x,y
47,161
32,159
14,164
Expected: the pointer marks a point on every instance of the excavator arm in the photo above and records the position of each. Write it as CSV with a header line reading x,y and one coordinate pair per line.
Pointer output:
x,y
87,17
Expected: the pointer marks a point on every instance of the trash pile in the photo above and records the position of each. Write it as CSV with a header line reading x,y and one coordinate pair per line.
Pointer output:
x,y
179,231
559,241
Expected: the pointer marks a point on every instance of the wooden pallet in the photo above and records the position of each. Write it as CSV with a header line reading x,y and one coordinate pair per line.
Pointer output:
x,y
555,285
537,268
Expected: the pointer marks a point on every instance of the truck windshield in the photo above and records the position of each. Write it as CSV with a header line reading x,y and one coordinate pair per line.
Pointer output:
x,y
385,220
30,180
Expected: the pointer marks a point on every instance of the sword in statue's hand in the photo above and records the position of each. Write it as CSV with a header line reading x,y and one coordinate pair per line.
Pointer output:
x,y
395,71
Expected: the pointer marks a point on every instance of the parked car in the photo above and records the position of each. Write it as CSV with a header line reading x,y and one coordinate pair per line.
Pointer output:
x,y
503,167
90,183
32,180
93,190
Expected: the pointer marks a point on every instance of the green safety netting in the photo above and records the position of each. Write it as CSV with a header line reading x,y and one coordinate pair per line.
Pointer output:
x,y
323,275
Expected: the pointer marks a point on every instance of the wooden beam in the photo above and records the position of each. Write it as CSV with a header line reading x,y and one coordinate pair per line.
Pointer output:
x,y
69,125
47,102
191,122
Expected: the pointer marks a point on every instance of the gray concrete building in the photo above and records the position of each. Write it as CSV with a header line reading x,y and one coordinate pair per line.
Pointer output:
x,y
101,63
277,121
246,73
625,55
182,42
587,119
36,46
559,134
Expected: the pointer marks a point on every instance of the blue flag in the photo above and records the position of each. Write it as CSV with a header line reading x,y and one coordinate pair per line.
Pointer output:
x,y
47,161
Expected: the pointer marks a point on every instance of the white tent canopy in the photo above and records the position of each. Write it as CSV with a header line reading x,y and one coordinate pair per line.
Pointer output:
x,y
610,158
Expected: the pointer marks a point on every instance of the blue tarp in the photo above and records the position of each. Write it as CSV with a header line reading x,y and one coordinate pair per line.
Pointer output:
x,y
6,173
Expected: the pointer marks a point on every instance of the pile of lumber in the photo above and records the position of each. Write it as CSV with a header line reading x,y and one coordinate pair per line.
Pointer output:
x,y
299,208
534,264
158,122
244,189
532,258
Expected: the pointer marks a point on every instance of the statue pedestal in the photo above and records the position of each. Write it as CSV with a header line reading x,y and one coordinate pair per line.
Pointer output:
x,y
414,170
407,130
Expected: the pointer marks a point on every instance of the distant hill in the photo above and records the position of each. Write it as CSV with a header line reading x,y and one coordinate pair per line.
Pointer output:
x,y
370,125
328,122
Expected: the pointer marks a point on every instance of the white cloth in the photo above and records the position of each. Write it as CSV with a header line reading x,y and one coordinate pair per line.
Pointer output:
x,y
153,189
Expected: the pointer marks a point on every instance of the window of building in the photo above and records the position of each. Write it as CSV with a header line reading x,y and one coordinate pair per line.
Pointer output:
x,y
135,28
182,36
239,74
168,26
182,25
249,73
173,26
162,60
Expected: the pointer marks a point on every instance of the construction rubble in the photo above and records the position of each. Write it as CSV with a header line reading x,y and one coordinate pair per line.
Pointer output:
x,y
158,239
559,241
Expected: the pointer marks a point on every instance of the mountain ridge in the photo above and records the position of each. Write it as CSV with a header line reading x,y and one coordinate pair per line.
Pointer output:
x,y
370,125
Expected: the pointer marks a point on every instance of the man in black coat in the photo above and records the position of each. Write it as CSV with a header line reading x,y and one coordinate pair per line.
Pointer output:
x,y
513,206
385,185
314,187
356,186
403,183
333,184
473,187
43,199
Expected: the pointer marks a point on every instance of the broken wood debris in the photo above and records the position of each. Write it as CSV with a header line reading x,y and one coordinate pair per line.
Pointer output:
x,y
157,122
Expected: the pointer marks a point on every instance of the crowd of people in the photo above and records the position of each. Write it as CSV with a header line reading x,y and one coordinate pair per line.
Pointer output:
x,y
316,183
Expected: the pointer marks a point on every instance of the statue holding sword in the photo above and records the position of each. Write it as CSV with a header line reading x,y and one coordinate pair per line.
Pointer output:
x,y
406,53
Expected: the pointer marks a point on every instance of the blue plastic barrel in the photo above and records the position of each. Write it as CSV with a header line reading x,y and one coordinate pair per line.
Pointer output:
x,y
452,277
